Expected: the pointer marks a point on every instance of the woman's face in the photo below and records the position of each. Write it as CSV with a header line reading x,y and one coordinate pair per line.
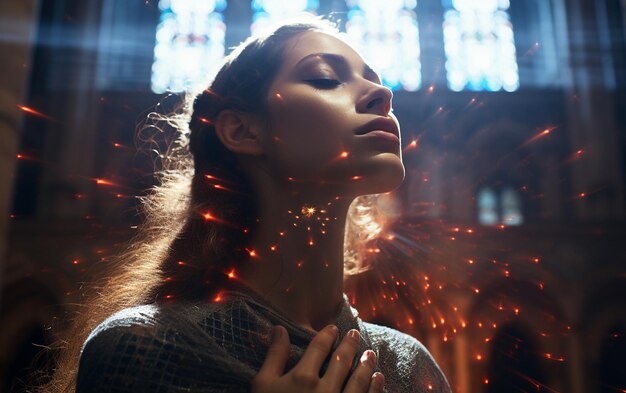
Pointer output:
x,y
323,104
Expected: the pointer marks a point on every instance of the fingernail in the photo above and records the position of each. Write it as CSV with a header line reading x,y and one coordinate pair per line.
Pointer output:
x,y
277,332
354,334
369,356
334,329
379,380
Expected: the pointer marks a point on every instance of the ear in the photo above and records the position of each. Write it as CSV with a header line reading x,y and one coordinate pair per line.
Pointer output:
x,y
239,132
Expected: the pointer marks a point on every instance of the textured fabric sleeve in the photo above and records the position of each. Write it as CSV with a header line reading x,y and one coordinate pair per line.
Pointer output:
x,y
429,374
140,358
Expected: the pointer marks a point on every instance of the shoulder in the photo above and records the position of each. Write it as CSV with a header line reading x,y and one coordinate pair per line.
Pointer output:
x,y
406,355
147,349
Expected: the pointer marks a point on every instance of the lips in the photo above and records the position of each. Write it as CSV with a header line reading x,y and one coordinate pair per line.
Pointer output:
x,y
379,124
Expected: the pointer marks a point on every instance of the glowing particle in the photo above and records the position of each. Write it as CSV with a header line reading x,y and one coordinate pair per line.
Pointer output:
x,y
308,211
479,357
232,274
181,263
104,182
252,253
357,177
207,216
32,111
218,297
344,154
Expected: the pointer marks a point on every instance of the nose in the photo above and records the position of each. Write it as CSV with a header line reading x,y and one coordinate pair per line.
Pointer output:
x,y
376,100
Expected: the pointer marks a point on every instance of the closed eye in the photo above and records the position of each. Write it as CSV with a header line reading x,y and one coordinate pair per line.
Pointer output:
x,y
324,83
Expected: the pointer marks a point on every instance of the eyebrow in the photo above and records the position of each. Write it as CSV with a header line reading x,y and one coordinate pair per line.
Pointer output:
x,y
337,59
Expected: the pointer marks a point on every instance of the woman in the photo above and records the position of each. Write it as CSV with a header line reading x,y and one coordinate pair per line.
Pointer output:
x,y
247,294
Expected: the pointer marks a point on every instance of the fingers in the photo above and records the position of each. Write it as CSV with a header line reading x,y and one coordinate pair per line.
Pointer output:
x,y
277,354
341,361
362,379
377,384
318,349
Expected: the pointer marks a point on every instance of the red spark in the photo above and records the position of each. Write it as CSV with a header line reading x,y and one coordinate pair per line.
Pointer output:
x,y
411,145
344,154
218,297
34,112
540,135
232,274
104,182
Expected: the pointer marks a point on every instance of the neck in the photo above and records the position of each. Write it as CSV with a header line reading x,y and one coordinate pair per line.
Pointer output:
x,y
298,255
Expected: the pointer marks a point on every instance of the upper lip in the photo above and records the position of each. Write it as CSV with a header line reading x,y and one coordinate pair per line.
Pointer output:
x,y
380,123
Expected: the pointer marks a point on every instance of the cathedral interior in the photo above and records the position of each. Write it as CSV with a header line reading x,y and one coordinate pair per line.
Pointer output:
x,y
506,251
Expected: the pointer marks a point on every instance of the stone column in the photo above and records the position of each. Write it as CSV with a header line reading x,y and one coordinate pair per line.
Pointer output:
x,y
598,192
18,21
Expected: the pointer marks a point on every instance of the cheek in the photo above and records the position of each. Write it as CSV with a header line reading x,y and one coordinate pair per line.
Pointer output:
x,y
307,132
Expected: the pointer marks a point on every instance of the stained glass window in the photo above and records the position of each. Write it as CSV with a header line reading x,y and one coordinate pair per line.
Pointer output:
x,y
487,207
268,12
387,36
504,207
479,45
189,44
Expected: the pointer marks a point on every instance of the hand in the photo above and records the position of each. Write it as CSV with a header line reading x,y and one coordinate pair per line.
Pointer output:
x,y
304,377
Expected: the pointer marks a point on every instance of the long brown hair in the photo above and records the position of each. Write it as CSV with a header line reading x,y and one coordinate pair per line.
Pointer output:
x,y
201,214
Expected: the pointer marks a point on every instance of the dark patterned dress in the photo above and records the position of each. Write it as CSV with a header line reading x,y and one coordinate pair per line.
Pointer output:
x,y
220,346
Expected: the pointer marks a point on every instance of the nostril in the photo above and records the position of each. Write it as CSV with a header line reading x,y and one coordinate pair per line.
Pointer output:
x,y
374,102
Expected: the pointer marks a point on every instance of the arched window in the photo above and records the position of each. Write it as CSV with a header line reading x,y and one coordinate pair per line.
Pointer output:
x,y
479,45
499,207
189,44
268,12
487,207
387,36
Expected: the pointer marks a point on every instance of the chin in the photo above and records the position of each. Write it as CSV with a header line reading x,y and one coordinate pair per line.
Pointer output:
x,y
383,177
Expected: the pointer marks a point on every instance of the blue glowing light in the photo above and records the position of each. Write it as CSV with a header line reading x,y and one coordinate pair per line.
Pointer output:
x,y
189,44
479,46
387,36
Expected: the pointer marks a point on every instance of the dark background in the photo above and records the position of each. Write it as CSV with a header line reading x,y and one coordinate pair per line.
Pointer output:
x,y
533,307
